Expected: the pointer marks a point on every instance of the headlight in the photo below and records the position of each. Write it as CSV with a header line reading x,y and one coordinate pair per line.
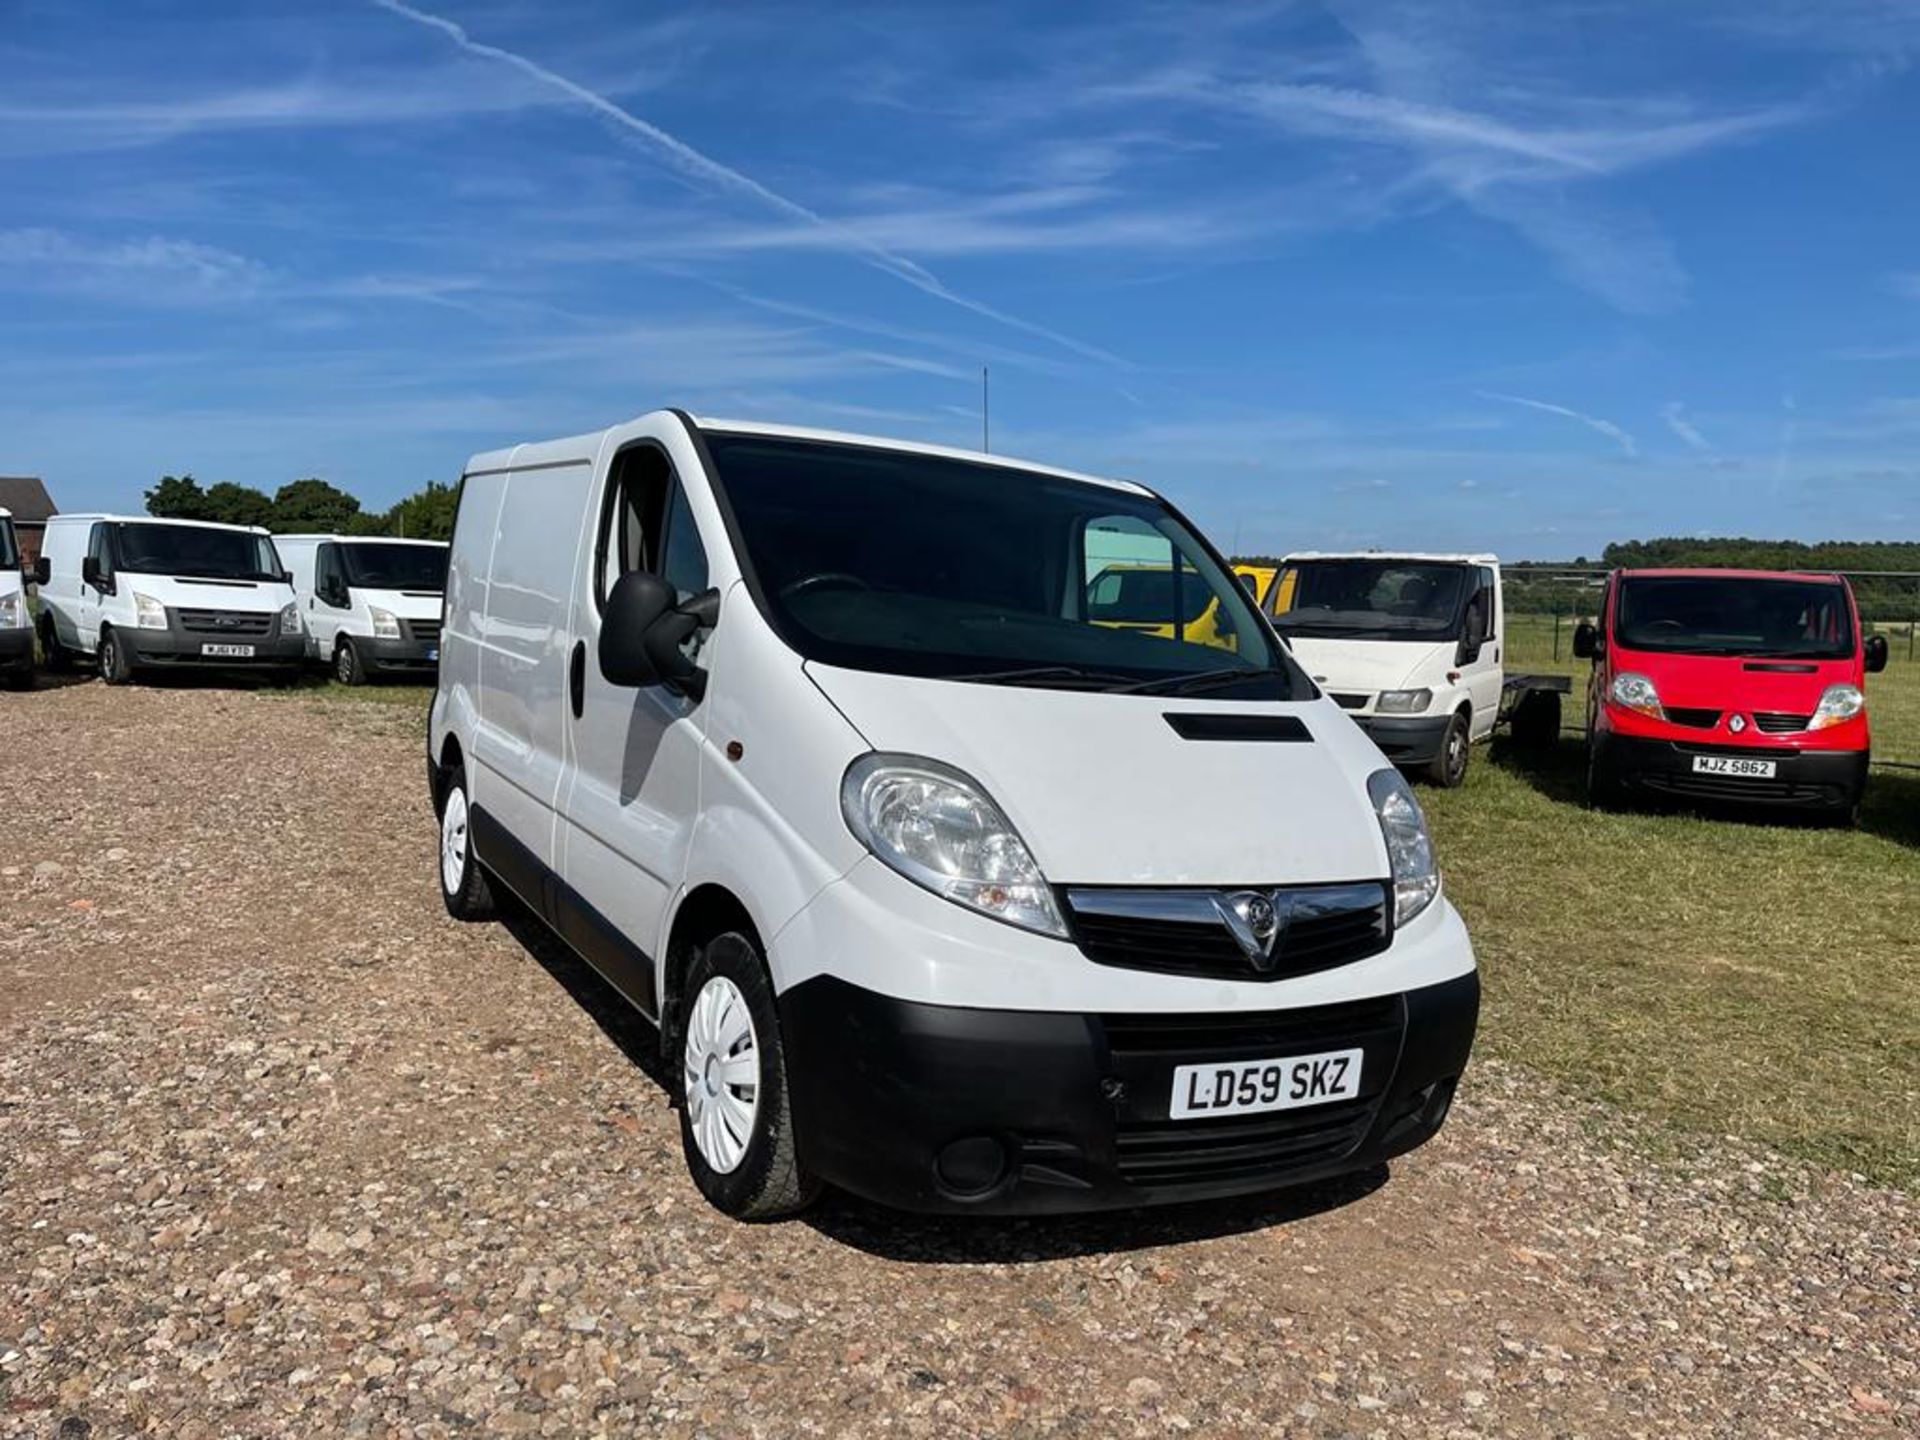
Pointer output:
x,y
1636,693
290,619
385,627
1838,704
1403,702
13,611
1410,853
148,613
937,827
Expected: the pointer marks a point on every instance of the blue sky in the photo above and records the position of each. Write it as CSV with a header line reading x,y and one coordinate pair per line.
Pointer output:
x,y
1530,277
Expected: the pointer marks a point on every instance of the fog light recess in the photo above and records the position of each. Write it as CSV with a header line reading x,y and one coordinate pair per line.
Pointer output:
x,y
971,1167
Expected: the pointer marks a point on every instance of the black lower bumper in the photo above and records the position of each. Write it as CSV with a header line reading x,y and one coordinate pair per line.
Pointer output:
x,y
16,649
400,656
1406,740
187,648
1814,779
934,1108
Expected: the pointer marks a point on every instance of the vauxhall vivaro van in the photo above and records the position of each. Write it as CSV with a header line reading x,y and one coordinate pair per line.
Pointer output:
x,y
16,620
939,889
371,604
132,594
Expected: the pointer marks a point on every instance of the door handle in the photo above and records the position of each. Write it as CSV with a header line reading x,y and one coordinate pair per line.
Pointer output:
x,y
577,678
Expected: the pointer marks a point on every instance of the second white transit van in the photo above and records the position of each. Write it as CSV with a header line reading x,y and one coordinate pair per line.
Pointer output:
x,y
134,595
940,887
371,604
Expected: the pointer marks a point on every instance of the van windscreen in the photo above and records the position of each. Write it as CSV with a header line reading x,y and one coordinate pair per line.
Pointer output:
x,y
1734,615
881,559
197,551
1368,599
373,566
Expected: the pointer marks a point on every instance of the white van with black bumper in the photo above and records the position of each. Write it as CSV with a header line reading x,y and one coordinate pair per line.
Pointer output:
x,y
941,889
371,605
16,618
134,595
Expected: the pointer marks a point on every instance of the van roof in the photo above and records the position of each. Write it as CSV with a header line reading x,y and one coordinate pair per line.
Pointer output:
x,y
154,520
1431,557
575,448
1720,573
360,540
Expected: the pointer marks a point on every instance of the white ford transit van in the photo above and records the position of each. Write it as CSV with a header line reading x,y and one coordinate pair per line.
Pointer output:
x,y
371,605
16,620
133,593
942,888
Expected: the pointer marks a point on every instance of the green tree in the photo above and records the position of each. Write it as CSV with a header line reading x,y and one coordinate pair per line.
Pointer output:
x,y
177,497
427,514
232,504
313,505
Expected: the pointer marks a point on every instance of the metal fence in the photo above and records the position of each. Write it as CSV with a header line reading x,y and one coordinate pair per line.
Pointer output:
x,y
1544,604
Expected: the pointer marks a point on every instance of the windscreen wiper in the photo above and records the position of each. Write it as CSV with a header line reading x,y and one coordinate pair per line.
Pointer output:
x,y
1198,680
1049,675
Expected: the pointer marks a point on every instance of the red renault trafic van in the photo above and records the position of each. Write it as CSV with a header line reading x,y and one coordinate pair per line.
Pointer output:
x,y
1738,685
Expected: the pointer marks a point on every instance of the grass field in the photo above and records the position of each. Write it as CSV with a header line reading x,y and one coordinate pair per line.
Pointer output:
x,y
1722,975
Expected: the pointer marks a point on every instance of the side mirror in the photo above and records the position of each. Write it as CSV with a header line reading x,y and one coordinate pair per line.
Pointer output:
x,y
671,631
286,577
637,601
1586,640
42,571
1875,654
90,575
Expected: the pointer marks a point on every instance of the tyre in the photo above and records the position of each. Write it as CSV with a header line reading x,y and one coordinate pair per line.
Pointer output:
x,y
347,668
52,653
736,1122
1448,768
1603,786
21,679
463,884
116,666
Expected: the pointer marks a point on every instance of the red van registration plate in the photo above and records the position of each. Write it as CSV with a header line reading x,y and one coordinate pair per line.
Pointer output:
x,y
1733,765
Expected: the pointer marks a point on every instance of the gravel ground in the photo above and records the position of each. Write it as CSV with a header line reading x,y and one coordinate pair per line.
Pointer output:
x,y
283,1151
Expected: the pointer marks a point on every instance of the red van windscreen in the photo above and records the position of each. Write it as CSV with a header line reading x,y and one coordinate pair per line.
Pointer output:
x,y
1734,615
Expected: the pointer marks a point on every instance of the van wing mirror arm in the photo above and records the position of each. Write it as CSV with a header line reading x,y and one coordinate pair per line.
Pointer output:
x,y
672,630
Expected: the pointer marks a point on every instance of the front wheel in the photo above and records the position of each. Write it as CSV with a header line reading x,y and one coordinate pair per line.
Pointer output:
x,y
463,884
736,1122
116,665
347,666
52,652
1603,786
1449,768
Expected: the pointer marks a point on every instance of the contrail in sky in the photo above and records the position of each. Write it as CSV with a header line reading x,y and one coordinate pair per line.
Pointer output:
x,y
714,175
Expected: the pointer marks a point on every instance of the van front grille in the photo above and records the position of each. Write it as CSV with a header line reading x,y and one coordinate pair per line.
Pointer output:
x,y
1348,702
1694,719
225,622
424,631
1774,722
1182,932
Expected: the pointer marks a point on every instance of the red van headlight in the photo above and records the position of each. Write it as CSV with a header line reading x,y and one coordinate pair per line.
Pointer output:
x,y
1838,704
1635,692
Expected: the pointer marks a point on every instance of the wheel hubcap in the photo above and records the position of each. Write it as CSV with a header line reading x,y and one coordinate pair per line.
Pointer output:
x,y
453,842
343,664
722,1070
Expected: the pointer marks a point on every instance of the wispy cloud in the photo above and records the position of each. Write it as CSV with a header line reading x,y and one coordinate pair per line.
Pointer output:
x,y
1613,432
1675,414
157,267
712,175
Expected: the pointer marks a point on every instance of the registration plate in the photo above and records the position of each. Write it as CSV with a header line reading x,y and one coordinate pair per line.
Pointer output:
x,y
1733,765
1250,1087
227,652
433,652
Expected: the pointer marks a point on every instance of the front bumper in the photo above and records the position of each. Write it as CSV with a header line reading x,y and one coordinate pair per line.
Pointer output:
x,y
1010,1112
1832,779
422,656
1406,739
16,648
182,648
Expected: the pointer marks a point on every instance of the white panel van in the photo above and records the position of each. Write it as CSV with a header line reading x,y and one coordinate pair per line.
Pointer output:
x,y
940,887
135,594
16,620
371,605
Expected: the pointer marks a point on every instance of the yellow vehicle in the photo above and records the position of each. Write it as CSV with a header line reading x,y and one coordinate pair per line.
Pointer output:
x,y
1258,579
1141,595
